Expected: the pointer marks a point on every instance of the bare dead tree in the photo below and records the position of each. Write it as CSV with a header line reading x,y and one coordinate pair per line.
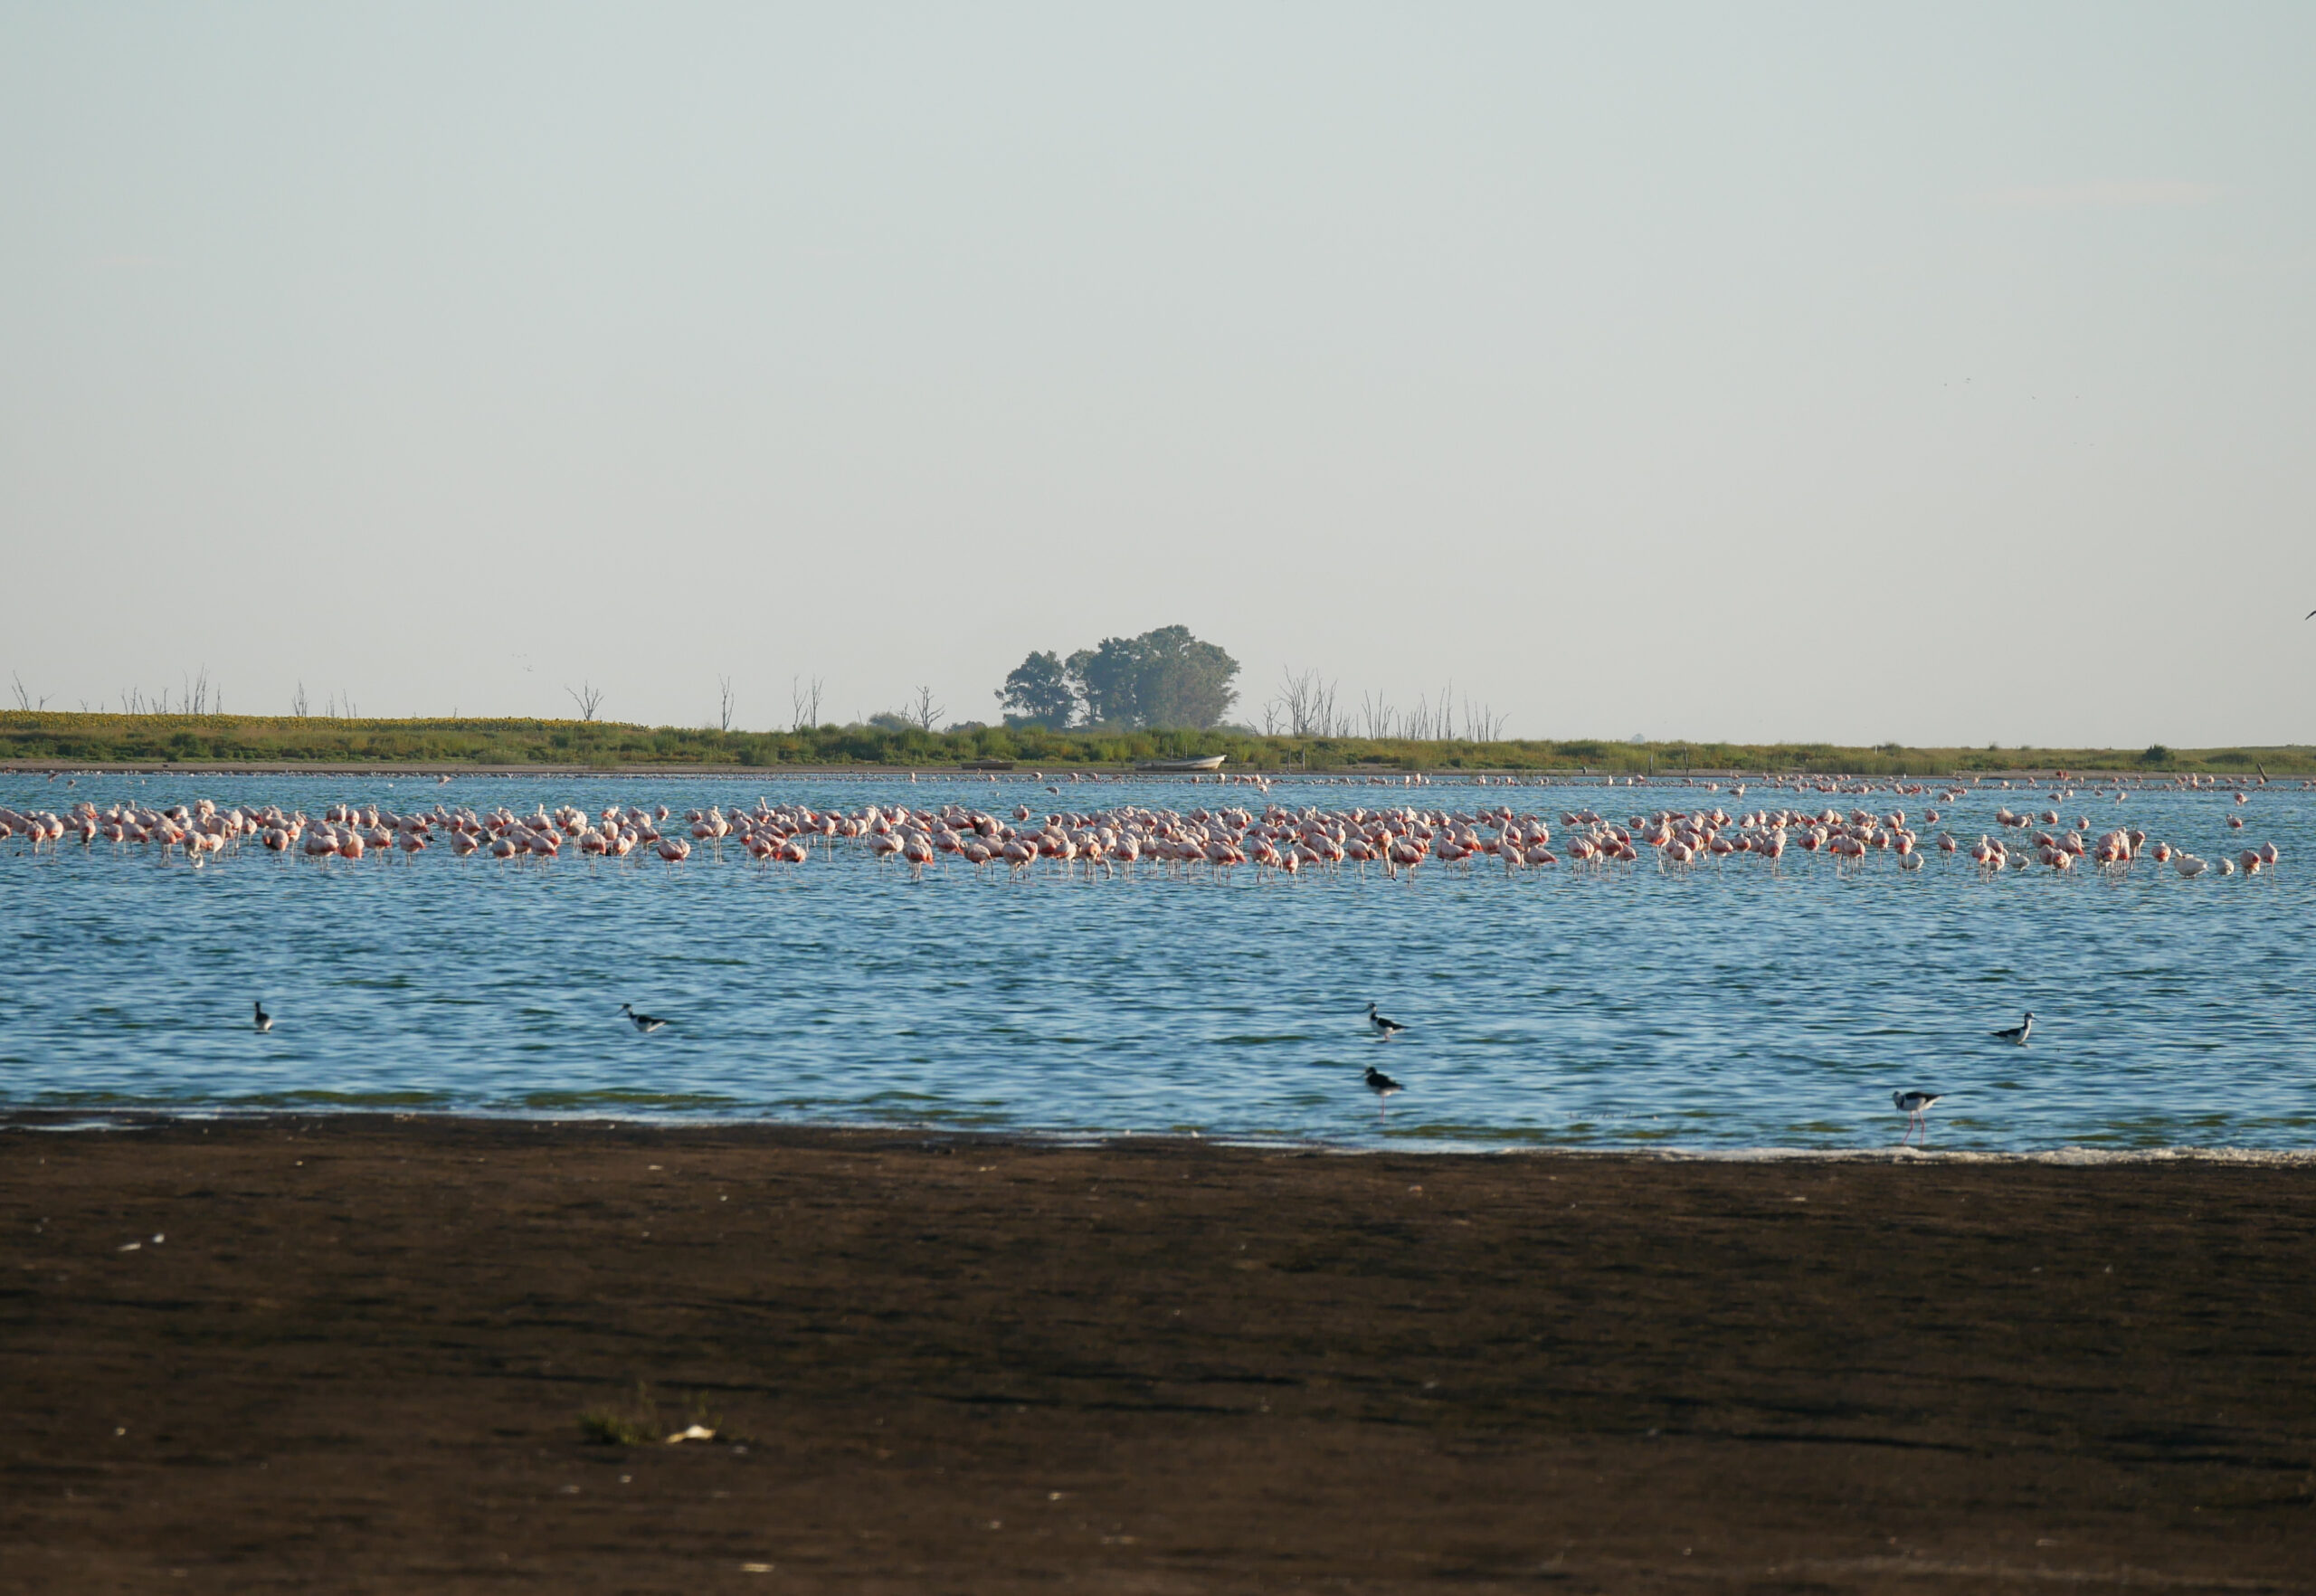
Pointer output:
x,y
299,706
24,698
587,696
803,703
724,703
1376,712
1481,725
925,711
1306,703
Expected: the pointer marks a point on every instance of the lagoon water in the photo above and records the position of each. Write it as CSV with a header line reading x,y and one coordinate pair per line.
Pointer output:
x,y
1728,1006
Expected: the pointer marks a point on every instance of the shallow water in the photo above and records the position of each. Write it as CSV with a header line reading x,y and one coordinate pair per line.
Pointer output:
x,y
1727,1006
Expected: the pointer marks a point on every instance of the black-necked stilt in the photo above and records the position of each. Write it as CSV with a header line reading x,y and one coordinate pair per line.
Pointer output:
x,y
1915,1107
265,1020
646,1024
1383,1085
2017,1034
1385,1030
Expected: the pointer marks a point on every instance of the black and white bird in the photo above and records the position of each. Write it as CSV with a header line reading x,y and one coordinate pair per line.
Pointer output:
x,y
646,1024
265,1020
1915,1107
1383,1085
2017,1034
1384,1030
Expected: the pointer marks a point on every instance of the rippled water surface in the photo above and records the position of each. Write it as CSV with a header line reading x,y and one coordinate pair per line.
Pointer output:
x,y
1731,1005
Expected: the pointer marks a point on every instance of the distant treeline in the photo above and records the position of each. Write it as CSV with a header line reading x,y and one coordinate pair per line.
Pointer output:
x,y
84,738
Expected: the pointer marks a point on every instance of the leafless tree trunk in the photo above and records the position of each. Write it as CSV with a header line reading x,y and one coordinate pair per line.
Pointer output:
x,y
925,711
299,706
724,703
1483,724
1377,713
25,698
803,703
587,696
1308,704
1444,713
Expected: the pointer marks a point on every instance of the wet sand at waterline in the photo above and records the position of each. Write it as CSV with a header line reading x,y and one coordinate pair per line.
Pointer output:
x,y
353,1353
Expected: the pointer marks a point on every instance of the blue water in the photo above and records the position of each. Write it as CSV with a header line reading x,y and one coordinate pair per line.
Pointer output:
x,y
1729,1006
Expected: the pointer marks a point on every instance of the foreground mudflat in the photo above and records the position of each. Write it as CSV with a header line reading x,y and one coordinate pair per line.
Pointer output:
x,y
358,1357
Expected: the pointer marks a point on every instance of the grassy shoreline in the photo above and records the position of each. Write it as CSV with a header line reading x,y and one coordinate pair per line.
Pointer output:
x,y
41,740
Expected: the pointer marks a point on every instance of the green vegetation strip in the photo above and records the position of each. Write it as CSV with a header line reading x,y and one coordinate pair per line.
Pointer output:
x,y
293,741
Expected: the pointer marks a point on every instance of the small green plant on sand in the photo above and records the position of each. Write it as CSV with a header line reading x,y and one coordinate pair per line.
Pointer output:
x,y
638,1423
614,1429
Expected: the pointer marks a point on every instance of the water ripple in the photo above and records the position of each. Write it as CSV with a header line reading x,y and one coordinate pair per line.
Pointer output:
x,y
1730,1006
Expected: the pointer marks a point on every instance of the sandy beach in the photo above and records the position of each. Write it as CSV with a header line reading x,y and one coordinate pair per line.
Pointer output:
x,y
354,1354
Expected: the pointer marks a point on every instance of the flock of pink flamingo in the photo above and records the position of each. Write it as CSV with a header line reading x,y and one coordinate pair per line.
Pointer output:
x,y
1275,841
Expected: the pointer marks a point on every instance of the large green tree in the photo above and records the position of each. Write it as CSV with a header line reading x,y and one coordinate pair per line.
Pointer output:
x,y
1165,678
1039,692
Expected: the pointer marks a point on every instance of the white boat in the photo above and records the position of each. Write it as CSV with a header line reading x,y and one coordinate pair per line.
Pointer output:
x,y
1212,762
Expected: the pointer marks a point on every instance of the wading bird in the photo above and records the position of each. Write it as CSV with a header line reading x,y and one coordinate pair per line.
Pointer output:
x,y
2019,1033
1915,1107
1383,1085
1384,1030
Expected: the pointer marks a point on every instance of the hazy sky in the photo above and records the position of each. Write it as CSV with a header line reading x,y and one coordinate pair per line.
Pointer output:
x,y
1849,373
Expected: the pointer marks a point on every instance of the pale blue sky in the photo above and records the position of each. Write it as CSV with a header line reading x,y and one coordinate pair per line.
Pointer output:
x,y
1814,372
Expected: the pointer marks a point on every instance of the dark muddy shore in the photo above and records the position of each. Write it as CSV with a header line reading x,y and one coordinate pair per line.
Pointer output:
x,y
358,1356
